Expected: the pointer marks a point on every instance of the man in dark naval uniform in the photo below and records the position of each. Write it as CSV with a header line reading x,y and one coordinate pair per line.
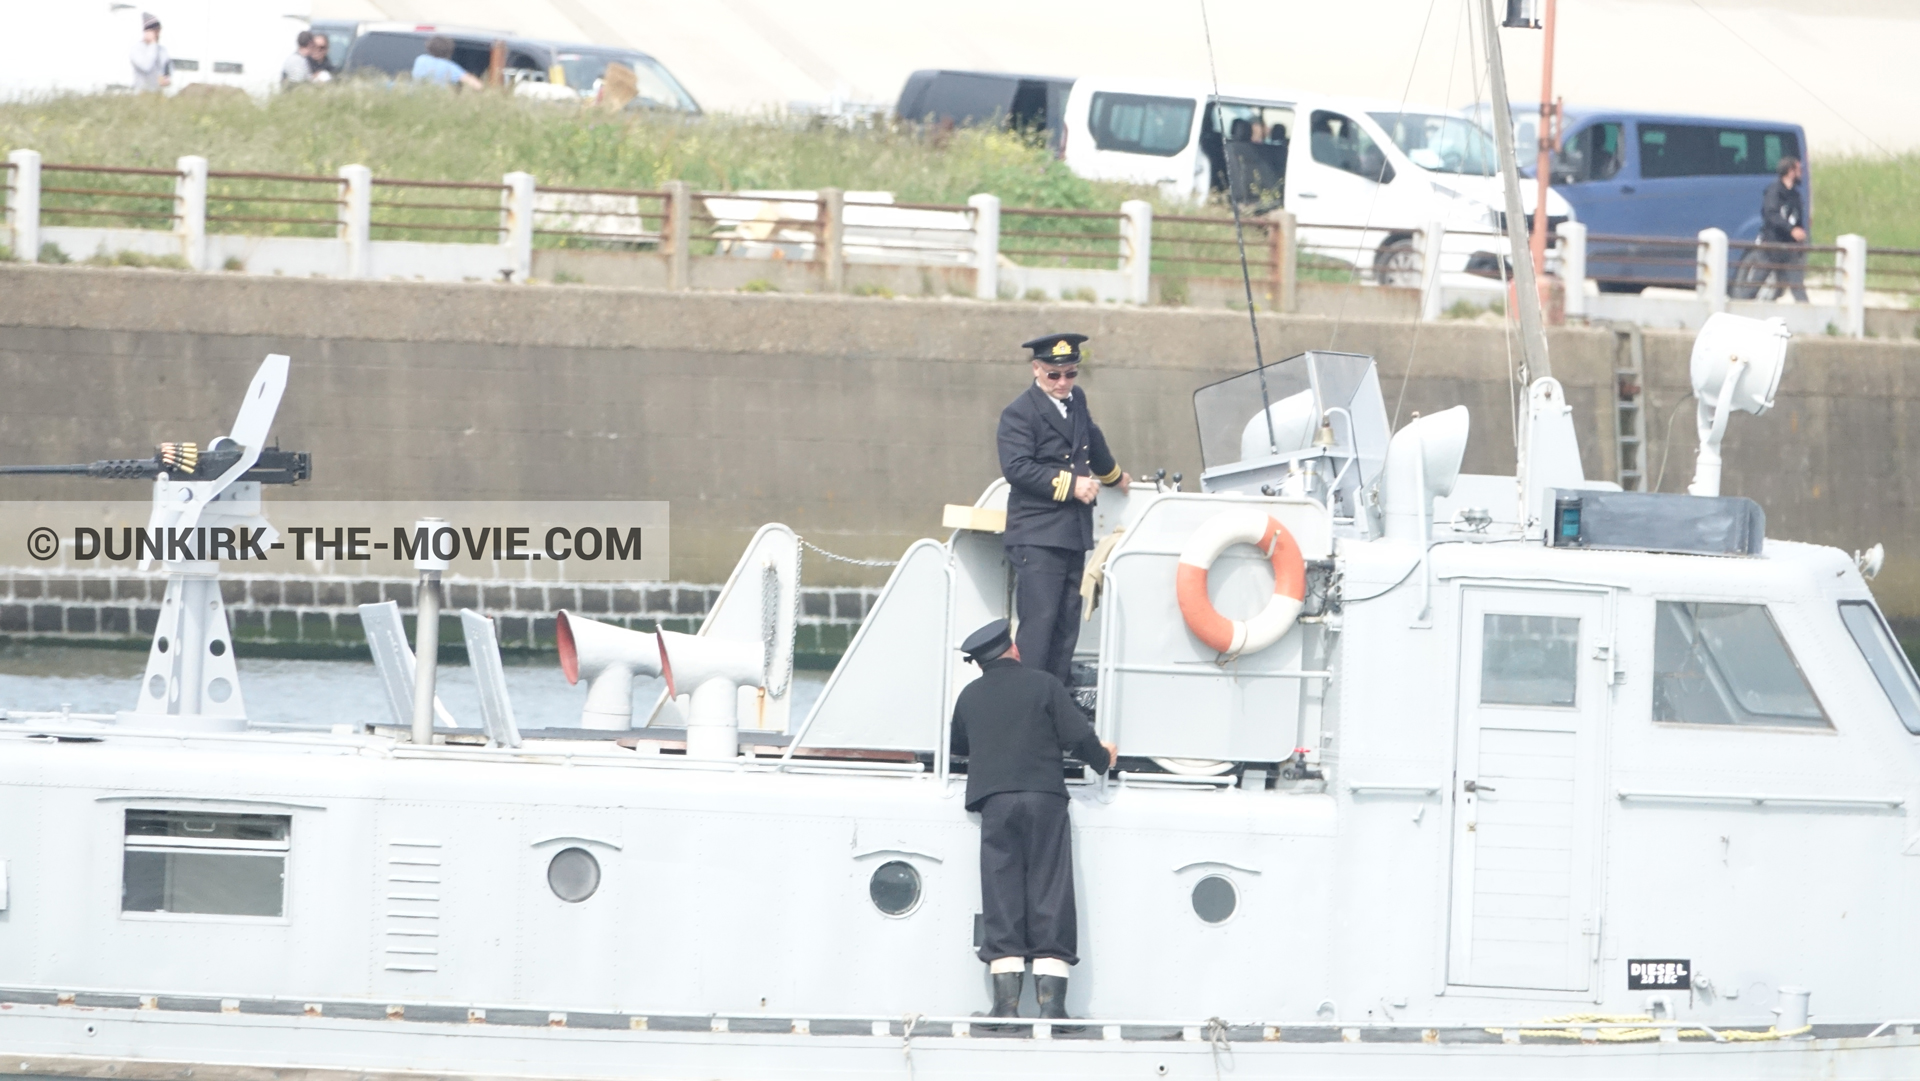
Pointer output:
x,y
1011,724
1055,459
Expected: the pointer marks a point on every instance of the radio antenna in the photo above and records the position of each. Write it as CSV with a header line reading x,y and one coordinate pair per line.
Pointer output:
x,y
1239,235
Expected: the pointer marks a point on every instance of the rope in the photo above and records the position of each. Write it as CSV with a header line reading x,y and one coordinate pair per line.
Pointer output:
x,y
1216,1036
906,1041
1575,1022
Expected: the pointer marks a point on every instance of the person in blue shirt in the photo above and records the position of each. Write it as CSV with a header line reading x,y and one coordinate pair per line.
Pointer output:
x,y
436,66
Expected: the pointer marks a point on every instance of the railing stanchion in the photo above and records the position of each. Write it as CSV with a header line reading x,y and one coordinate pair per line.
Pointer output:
x,y
356,220
1573,267
1136,230
1432,239
190,206
830,248
23,205
1851,262
679,241
1283,249
1710,281
516,224
986,246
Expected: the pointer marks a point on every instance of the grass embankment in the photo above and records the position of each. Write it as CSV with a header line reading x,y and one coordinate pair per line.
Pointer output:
x,y
1878,198
426,134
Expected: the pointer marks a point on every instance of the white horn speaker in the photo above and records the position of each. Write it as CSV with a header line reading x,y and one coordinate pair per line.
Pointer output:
x,y
712,670
607,657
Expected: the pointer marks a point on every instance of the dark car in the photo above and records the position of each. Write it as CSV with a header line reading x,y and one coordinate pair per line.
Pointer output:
x,y
391,48
1035,103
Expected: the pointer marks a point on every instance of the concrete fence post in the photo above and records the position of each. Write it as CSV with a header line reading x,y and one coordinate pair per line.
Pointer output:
x,y
23,205
1136,260
1852,265
1432,239
679,235
1710,280
190,203
830,249
1573,267
1283,244
356,220
516,224
986,246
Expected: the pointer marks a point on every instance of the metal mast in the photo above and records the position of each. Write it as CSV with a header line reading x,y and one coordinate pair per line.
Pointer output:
x,y
1533,336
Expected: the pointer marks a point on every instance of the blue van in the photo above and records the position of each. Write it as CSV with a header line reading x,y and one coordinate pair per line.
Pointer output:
x,y
1633,174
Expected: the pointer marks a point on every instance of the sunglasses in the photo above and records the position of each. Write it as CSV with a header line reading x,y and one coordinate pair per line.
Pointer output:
x,y
1054,377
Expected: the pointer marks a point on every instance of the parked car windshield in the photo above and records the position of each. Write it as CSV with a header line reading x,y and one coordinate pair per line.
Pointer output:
x,y
1441,144
583,70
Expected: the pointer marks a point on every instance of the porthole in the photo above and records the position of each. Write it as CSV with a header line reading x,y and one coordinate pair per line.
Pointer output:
x,y
1214,899
895,888
573,875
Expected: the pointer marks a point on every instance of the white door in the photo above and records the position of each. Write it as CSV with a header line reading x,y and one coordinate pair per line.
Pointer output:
x,y
1533,700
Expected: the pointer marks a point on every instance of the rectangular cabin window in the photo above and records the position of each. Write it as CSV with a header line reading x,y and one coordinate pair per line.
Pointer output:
x,y
208,864
1727,664
1886,658
1529,660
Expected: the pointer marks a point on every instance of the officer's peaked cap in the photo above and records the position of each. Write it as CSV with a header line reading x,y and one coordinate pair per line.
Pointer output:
x,y
988,642
1056,348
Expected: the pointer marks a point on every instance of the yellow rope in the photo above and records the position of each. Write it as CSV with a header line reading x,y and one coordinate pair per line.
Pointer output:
x,y
1576,1021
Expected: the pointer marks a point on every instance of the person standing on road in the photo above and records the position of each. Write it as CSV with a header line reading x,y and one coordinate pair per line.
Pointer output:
x,y
317,62
152,67
1783,220
1055,460
1012,724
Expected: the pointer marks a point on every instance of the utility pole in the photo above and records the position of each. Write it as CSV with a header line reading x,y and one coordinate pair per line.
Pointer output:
x,y
1544,170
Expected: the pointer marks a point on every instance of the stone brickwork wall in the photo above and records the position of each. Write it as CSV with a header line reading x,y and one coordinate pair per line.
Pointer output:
x,y
308,616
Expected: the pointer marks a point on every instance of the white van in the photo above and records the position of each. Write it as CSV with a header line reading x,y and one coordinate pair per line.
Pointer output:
x,y
1361,177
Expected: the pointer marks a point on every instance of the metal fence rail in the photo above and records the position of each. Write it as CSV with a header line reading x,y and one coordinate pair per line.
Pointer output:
x,y
356,225
287,204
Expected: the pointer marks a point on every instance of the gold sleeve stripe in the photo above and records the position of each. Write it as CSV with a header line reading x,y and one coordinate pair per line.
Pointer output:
x,y
1062,486
1113,477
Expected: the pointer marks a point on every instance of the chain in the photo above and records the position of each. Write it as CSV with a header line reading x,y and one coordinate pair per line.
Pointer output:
x,y
770,623
850,559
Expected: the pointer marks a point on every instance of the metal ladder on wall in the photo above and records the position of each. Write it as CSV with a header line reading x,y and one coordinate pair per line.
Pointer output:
x,y
1630,419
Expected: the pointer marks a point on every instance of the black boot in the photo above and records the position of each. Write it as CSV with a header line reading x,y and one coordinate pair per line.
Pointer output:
x,y
1006,994
1051,993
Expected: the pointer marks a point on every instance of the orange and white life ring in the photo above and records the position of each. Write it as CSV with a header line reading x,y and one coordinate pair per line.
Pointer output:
x,y
1233,637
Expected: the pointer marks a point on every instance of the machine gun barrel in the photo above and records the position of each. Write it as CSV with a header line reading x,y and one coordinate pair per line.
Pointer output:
x,y
275,466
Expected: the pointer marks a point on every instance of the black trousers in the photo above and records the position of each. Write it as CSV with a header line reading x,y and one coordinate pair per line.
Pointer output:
x,y
1026,877
1047,597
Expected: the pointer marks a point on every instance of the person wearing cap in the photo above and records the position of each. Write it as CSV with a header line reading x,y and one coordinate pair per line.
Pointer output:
x,y
152,67
1011,725
1055,460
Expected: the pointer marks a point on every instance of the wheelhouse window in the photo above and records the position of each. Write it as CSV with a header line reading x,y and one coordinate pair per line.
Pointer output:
x,y
1141,124
1886,658
205,864
1727,664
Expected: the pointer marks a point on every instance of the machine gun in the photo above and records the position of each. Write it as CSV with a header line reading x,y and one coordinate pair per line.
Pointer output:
x,y
186,461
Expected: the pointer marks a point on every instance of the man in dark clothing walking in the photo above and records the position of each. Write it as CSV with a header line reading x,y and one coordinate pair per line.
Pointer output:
x,y
1055,460
1012,724
1783,220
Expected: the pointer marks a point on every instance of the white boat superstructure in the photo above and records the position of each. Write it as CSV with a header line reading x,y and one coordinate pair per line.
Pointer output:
x,y
1544,777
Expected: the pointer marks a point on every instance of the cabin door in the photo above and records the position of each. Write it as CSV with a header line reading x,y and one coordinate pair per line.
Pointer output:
x,y
1534,675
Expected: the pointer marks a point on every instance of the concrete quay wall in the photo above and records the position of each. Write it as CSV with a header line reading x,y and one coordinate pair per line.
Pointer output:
x,y
851,419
